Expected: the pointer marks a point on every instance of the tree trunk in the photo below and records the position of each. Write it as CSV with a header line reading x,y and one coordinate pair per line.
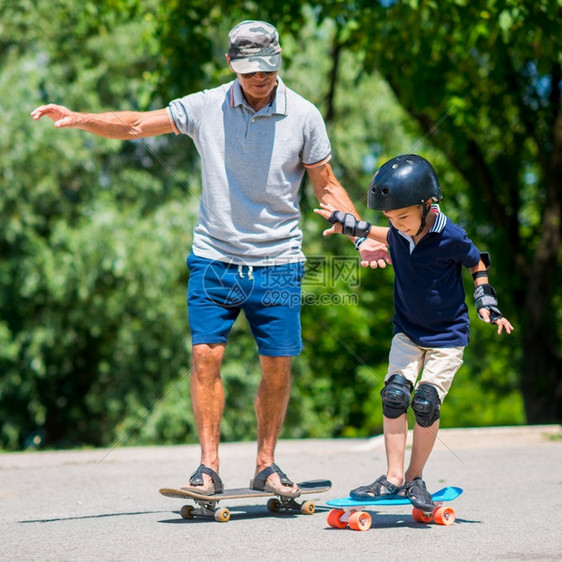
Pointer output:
x,y
541,371
541,364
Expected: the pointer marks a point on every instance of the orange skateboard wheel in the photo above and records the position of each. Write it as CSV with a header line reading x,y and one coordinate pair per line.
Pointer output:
x,y
444,515
274,505
308,508
222,515
187,512
334,519
421,516
360,521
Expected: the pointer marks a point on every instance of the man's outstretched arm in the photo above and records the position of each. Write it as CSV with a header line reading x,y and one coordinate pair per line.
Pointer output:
x,y
124,125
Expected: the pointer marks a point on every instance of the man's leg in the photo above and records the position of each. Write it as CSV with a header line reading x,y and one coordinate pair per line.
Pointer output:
x,y
273,313
271,406
207,400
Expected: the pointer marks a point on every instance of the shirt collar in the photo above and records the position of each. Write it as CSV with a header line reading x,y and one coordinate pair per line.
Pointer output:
x,y
279,105
440,221
438,226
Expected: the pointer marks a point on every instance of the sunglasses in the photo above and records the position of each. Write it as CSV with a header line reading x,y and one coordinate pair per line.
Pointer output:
x,y
252,74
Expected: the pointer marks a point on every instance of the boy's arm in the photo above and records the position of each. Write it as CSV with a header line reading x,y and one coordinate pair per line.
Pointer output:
x,y
379,233
342,221
485,297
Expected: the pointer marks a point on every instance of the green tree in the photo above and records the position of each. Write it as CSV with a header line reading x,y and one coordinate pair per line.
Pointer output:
x,y
92,306
481,100
483,81
94,233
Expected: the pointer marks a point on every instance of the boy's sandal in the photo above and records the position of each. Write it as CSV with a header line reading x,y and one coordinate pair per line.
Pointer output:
x,y
417,493
374,490
285,488
197,482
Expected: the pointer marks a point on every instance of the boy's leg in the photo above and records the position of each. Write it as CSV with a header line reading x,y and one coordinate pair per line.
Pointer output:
x,y
395,434
423,442
414,486
405,363
439,369
405,360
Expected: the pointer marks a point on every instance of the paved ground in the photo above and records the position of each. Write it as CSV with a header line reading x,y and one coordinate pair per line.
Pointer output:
x,y
105,505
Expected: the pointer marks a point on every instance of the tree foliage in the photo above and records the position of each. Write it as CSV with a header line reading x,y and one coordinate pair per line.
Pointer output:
x,y
93,331
484,80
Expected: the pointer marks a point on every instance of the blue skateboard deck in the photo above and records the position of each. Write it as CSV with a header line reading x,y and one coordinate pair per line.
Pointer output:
x,y
444,495
348,511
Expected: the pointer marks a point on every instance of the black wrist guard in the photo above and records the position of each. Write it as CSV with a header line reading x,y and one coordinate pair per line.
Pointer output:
x,y
485,297
350,225
487,261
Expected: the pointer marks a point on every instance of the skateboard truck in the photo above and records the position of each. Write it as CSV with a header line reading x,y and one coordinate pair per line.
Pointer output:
x,y
350,512
222,514
207,506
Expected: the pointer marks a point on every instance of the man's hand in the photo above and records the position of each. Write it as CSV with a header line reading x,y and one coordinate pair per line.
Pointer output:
x,y
374,254
61,115
326,212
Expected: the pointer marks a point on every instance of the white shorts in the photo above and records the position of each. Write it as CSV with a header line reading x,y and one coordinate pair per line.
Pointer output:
x,y
437,365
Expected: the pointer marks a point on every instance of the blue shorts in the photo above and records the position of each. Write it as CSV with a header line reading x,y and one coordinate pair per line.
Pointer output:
x,y
269,296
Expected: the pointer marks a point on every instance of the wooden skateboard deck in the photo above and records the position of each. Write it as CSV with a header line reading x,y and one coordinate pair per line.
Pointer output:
x,y
349,511
207,505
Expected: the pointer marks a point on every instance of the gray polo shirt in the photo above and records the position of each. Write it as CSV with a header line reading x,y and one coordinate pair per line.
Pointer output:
x,y
252,167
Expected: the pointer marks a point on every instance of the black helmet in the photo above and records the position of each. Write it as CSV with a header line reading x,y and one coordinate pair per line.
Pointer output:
x,y
402,182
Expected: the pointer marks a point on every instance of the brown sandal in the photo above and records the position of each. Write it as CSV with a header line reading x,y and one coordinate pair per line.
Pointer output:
x,y
259,482
197,483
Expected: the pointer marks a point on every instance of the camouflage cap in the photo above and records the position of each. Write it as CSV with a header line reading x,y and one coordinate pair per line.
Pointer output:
x,y
253,46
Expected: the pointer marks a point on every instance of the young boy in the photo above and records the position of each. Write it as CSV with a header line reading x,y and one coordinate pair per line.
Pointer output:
x,y
431,317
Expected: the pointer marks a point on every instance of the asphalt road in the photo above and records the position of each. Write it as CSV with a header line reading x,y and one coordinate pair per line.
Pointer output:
x,y
104,505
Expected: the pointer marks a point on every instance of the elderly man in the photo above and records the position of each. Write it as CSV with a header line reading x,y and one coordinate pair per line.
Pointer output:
x,y
256,138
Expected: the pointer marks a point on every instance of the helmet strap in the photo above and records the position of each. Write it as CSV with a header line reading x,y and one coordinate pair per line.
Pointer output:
x,y
425,212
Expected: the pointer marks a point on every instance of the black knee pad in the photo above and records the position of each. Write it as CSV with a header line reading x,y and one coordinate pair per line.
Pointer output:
x,y
426,405
395,396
